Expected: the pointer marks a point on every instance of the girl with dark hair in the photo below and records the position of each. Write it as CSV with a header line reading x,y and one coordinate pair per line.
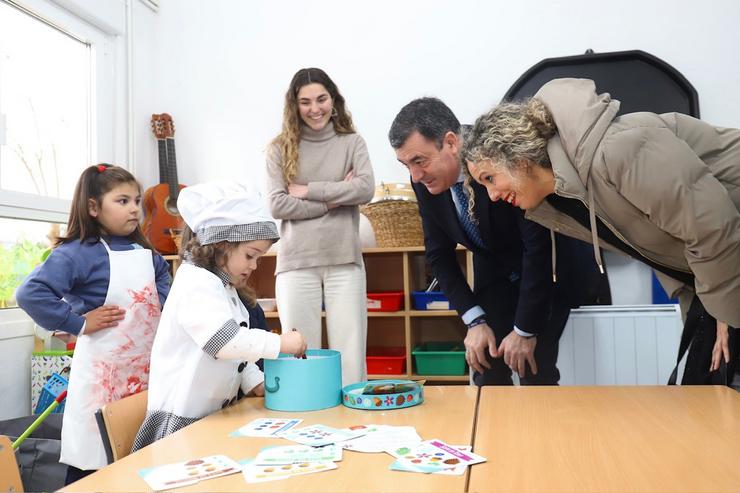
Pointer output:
x,y
209,340
319,172
105,284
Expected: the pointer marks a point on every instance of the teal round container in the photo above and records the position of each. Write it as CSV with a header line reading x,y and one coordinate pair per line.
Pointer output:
x,y
293,384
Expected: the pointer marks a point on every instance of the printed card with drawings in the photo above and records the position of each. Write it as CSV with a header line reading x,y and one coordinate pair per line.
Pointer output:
x,y
434,455
255,473
266,427
457,470
290,454
380,438
318,435
189,472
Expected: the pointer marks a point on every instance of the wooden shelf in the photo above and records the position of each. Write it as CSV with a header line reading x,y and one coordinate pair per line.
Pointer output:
x,y
409,249
442,378
369,314
388,377
175,260
429,378
432,313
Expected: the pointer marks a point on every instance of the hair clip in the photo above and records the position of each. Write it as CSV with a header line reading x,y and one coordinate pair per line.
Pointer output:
x,y
101,168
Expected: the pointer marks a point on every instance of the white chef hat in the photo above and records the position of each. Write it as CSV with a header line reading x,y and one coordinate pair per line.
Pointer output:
x,y
226,211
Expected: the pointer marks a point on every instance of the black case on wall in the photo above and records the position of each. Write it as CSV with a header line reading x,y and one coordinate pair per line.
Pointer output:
x,y
639,80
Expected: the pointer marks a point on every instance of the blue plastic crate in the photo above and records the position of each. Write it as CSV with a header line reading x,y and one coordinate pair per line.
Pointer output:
x,y
52,389
429,300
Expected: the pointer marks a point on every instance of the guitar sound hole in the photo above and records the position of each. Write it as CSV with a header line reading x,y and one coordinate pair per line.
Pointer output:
x,y
171,207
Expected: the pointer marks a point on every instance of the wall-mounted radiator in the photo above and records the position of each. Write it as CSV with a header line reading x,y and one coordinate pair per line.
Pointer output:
x,y
620,345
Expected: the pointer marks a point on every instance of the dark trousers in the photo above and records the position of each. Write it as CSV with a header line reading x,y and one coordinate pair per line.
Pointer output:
x,y
500,317
73,474
698,338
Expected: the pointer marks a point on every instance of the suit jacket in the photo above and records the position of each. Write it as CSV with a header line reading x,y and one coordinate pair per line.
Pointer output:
x,y
517,255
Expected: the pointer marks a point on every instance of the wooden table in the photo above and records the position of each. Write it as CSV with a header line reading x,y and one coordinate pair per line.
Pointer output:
x,y
607,439
448,413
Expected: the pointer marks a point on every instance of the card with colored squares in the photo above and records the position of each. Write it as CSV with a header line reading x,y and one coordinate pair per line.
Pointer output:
x,y
318,435
266,427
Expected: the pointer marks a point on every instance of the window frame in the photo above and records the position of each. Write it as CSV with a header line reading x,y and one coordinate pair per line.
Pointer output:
x,y
107,78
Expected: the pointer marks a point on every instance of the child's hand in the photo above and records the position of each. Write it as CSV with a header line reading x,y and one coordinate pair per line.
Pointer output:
x,y
258,391
103,317
292,343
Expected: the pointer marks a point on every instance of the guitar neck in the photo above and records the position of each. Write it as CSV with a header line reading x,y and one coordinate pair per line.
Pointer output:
x,y
162,148
171,169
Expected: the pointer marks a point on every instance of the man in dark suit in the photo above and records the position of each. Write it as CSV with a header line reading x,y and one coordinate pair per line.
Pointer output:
x,y
515,299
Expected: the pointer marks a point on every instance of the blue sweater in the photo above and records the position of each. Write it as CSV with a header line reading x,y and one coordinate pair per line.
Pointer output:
x,y
79,273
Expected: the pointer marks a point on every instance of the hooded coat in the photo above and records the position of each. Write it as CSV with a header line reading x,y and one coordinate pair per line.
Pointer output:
x,y
668,185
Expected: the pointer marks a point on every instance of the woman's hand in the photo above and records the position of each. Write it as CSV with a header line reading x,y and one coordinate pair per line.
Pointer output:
x,y
292,342
721,346
298,191
103,317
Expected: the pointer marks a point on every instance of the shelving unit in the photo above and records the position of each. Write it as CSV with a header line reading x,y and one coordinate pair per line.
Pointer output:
x,y
391,269
174,261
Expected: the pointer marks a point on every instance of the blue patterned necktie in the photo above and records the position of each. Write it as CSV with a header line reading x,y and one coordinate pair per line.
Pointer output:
x,y
470,228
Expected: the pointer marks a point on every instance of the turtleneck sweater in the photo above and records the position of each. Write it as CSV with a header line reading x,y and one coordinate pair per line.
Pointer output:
x,y
311,234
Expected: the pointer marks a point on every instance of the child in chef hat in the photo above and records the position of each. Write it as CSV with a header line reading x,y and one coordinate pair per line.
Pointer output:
x,y
208,338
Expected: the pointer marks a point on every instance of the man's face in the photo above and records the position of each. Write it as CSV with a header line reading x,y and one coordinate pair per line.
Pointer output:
x,y
437,169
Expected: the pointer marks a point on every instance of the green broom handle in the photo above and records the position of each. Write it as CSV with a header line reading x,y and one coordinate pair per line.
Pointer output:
x,y
38,420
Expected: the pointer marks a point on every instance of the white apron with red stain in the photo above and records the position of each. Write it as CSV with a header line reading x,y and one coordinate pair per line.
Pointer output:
x,y
113,363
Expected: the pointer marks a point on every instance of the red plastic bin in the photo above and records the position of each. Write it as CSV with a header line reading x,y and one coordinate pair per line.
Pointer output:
x,y
386,301
386,360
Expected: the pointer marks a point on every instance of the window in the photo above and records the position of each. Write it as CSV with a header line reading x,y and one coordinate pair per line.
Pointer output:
x,y
57,108
23,245
58,80
45,102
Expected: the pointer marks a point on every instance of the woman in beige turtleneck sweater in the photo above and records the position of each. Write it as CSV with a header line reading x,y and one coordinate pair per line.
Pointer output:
x,y
319,172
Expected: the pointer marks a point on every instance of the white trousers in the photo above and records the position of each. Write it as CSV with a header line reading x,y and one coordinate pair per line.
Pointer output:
x,y
299,297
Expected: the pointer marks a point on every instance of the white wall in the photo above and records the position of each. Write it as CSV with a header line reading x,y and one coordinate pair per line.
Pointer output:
x,y
221,67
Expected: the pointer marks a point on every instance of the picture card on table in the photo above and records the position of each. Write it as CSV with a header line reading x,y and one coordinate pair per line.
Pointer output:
x,y
193,471
381,438
256,473
434,455
266,427
290,454
318,435
457,470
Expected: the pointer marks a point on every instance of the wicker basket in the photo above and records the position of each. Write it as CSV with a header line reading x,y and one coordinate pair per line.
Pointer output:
x,y
394,215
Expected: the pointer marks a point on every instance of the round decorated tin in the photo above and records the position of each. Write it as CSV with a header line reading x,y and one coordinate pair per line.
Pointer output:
x,y
383,394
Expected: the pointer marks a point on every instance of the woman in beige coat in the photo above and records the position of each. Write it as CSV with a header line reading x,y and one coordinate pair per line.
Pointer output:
x,y
664,189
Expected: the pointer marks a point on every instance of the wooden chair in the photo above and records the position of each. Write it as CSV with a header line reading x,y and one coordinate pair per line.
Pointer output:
x,y
119,422
10,476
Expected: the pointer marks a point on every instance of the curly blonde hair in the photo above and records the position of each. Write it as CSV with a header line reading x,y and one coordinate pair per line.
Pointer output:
x,y
512,133
286,144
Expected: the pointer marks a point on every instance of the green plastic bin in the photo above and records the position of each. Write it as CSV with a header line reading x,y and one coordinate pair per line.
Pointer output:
x,y
440,358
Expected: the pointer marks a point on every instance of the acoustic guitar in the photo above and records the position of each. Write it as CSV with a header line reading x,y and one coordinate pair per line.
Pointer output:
x,y
162,219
